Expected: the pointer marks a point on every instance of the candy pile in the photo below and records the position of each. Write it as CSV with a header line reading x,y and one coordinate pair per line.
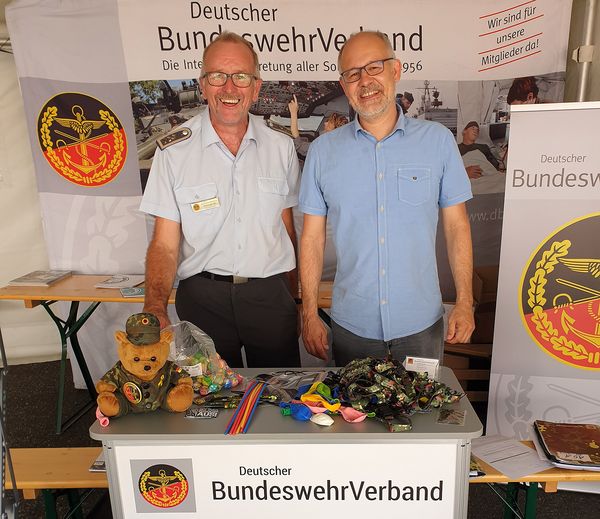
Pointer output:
x,y
194,351
381,389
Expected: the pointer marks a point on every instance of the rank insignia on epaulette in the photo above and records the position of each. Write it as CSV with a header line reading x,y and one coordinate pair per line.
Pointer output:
x,y
181,134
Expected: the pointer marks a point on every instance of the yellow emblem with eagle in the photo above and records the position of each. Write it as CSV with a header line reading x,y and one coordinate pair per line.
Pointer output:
x,y
560,294
163,486
82,139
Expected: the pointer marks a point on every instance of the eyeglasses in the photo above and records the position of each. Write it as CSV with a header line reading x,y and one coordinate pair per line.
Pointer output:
x,y
239,79
352,75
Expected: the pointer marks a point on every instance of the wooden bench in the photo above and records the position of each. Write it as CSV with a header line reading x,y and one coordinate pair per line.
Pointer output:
x,y
51,470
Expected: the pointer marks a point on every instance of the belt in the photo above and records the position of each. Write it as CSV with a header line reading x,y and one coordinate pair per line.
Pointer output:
x,y
236,280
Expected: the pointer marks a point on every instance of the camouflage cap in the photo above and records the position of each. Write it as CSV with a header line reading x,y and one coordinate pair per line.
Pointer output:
x,y
143,328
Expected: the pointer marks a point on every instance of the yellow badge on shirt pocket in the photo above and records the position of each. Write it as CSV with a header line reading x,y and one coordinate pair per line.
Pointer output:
x,y
203,205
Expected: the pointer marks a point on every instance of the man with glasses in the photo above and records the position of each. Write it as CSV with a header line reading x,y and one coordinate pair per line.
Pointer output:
x,y
382,181
221,190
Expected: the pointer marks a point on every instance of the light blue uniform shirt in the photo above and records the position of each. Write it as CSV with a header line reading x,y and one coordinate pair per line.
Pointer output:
x,y
229,206
382,200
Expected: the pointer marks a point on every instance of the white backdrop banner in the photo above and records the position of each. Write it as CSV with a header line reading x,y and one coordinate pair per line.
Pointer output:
x,y
546,360
459,40
102,80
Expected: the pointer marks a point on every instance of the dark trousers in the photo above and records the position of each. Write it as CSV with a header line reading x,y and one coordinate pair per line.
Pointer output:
x,y
348,346
260,315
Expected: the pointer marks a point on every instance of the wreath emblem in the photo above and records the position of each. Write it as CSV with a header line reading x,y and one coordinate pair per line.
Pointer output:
x,y
560,294
82,139
163,486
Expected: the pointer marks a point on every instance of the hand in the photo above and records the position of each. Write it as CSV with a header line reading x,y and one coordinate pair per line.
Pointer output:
x,y
461,324
161,314
179,398
293,106
314,335
108,404
474,171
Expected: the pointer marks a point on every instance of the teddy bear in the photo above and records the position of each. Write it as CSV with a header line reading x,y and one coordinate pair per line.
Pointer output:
x,y
143,380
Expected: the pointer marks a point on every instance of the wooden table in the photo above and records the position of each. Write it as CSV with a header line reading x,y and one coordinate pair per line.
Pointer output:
x,y
76,289
548,480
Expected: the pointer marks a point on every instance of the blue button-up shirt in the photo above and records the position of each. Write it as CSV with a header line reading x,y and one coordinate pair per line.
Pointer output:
x,y
382,200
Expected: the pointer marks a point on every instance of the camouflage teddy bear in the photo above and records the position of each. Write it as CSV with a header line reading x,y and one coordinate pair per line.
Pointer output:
x,y
143,380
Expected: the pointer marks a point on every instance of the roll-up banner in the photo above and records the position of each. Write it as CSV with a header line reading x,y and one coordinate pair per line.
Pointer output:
x,y
546,362
102,80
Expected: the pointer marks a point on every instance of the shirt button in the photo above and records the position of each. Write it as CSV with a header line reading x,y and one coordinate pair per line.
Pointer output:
x,y
380,176
382,240
381,208
239,247
383,301
237,191
383,272
238,220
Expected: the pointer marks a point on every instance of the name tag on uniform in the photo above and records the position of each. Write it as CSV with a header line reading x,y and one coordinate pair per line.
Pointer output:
x,y
203,205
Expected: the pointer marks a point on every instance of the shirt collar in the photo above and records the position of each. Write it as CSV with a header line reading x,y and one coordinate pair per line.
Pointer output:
x,y
210,136
400,124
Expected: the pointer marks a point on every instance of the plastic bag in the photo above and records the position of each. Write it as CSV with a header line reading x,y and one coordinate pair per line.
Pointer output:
x,y
194,351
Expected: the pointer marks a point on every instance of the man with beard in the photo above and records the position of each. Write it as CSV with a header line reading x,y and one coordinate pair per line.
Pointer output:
x,y
221,188
381,181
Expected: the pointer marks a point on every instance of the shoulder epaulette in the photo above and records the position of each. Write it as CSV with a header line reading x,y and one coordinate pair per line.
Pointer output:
x,y
178,135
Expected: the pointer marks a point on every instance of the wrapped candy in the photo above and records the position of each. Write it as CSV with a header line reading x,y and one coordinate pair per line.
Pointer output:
x,y
194,351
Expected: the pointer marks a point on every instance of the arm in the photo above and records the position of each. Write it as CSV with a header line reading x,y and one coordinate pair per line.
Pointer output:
x,y
312,245
161,266
288,221
473,171
490,156
293,107
460,254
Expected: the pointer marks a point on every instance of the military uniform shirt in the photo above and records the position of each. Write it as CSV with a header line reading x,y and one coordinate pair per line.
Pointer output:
x,y
229,206
139,396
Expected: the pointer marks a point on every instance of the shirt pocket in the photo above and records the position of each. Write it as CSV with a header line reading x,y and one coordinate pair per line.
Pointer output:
x,y
414,184
272,193
198,206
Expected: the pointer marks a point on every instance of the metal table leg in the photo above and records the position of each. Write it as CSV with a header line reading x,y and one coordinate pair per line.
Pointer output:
x,y
531,500
68,331
6,459
512,496
509,494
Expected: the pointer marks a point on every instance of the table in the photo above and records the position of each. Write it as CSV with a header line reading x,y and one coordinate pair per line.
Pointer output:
x,y
75,289
80,288
548,480
155,459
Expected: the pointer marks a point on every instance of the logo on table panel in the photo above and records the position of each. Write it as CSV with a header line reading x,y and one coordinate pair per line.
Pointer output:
x,y
560,294
163,486
82,139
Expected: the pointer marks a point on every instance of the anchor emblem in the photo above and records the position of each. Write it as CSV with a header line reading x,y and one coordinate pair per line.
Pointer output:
x,y
82,139
560,294
588,266
83,128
